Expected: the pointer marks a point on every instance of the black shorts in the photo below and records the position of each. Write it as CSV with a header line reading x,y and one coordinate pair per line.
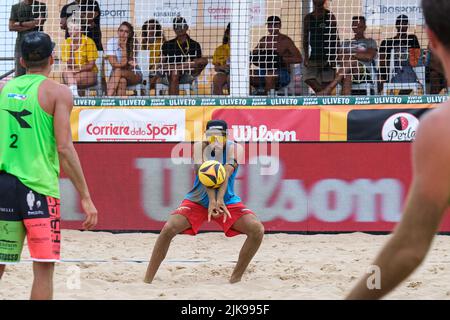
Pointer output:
x,y
26,212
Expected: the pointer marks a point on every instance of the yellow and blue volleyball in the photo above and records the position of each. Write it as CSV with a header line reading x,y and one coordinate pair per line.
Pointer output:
x,y
211,174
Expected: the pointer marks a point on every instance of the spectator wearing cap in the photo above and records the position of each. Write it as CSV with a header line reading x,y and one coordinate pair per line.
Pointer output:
x,y
79,53
221,62
182,59
26,16
89,12
273,55
320,46
406,44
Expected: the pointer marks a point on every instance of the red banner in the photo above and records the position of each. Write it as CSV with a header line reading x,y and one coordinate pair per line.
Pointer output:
x,y
311,187
280,125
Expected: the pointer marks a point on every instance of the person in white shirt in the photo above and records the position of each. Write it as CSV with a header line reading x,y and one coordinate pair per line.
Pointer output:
x,y
121,54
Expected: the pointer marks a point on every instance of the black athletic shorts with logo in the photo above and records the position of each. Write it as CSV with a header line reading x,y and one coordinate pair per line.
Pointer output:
x,y
26,212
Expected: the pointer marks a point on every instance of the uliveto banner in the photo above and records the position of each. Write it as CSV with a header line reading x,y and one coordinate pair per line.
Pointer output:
x,y
280,125
317,186
132,125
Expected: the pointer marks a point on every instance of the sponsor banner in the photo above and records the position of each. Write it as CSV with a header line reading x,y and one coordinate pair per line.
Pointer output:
x,y
385,12
131,125
383,125
280,125
312,186
249,102
218,12
165,11
114,12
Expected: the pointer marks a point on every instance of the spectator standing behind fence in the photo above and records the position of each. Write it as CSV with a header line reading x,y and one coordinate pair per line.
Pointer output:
x,y
221,62
273,55
26,16
182,57
436,73
405,44
80,54
357,56
89,13
152,41
121,53
320,35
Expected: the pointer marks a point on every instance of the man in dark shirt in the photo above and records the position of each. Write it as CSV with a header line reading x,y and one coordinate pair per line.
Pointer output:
x,y
320,34
89,11
404,44
182,57
26,16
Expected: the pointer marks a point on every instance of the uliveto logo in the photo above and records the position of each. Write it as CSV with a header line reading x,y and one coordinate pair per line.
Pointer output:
x,y
400,127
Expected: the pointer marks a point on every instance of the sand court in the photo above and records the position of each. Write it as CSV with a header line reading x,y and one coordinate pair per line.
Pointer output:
x,y
101,265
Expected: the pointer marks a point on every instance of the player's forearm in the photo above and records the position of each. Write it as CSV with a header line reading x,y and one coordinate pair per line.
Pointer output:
x,y
211,195
222,189
394,264
407,248
70,163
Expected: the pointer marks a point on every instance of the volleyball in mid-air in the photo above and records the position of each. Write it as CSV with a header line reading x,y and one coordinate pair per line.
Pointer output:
x,y
211,174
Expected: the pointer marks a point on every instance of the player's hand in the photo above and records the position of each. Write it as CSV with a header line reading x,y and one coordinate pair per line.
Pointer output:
x,y
212,210
222,208
91,214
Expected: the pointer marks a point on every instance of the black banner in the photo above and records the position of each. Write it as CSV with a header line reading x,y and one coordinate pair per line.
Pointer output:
x,y
383,125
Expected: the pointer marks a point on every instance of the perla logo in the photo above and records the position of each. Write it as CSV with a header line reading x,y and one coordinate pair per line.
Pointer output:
x,y
400,127
244,133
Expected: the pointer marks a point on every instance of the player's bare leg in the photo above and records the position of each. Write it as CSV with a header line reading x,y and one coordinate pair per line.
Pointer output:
x,y
249,225
43,281
176,224
2,270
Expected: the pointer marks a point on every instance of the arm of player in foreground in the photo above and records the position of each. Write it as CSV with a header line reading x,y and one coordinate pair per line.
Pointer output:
x,y
426,204
70,162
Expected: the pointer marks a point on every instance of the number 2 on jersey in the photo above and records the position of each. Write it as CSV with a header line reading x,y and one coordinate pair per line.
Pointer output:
x,y
13,144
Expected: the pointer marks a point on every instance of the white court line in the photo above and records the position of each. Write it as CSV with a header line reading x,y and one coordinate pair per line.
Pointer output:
x,y
122,261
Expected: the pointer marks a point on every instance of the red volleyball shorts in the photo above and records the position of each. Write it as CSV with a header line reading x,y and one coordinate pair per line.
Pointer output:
x,y
198,214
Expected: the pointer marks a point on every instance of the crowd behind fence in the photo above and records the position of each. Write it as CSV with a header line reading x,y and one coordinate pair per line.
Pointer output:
x,y
239,48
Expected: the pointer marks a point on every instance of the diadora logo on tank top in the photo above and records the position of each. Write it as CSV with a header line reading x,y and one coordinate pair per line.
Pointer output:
x,y
16,96
19,115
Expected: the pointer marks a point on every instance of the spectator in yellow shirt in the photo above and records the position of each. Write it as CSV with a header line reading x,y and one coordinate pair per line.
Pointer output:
x,y
79,53
152,40
221,62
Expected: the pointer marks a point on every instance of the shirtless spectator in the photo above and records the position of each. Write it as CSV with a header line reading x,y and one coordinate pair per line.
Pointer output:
x,y
273,55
